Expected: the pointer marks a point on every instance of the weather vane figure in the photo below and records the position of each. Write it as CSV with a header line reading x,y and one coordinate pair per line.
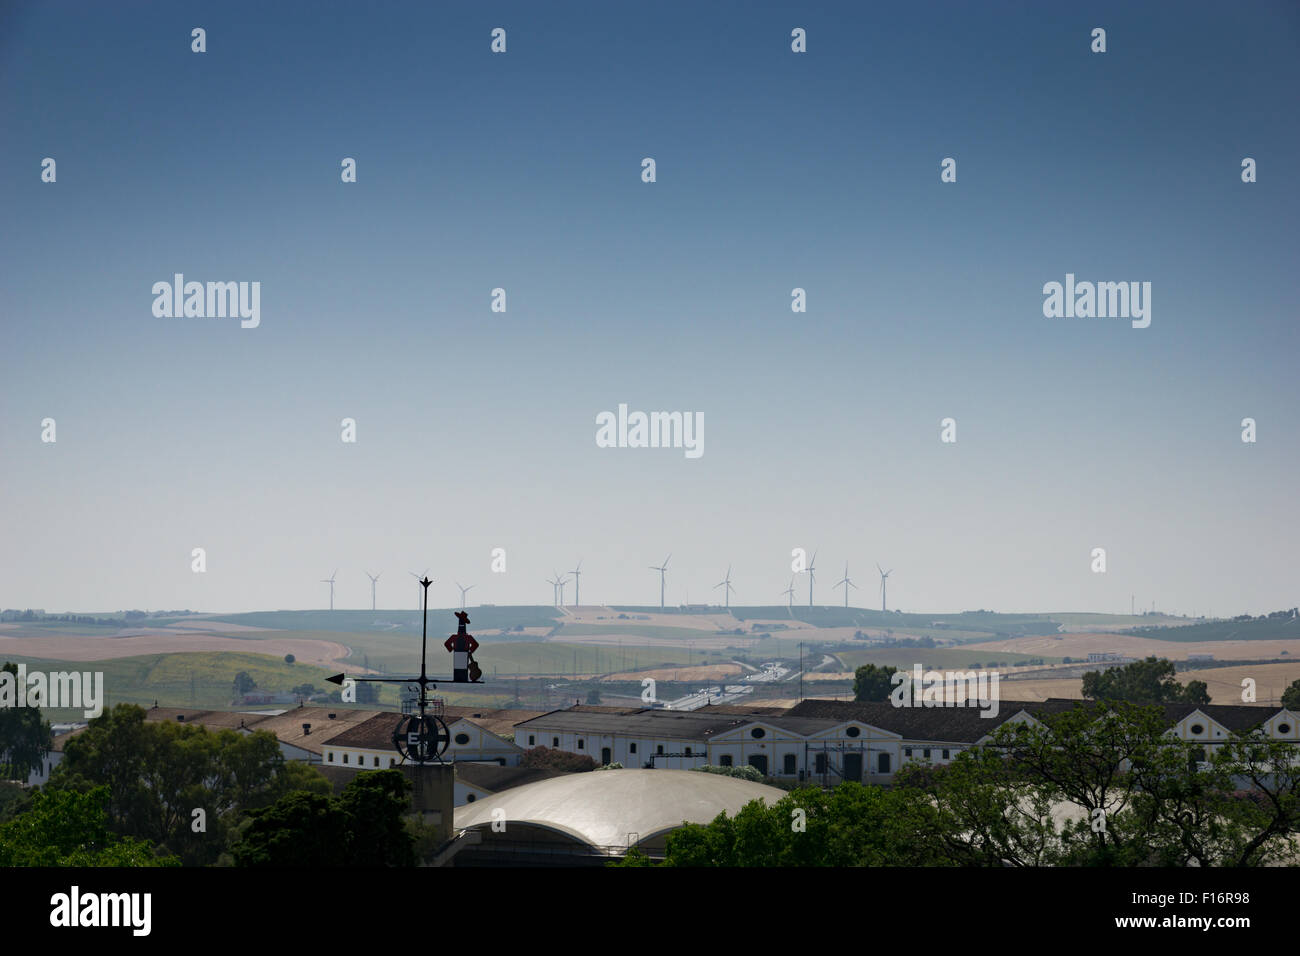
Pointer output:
x,y
423,738
462,645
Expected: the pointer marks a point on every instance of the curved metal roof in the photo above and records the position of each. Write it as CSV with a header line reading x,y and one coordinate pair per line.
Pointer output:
x,y
602,807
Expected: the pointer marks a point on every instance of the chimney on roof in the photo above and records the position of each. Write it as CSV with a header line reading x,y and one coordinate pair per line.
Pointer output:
x,y
306,729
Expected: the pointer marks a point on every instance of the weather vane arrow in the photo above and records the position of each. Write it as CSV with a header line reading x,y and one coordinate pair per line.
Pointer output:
x,y
424,738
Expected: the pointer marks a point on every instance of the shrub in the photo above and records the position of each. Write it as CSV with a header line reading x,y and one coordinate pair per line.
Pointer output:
x,y
544,758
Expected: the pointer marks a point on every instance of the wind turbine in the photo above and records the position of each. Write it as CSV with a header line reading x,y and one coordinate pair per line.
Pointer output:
x,y
790,591
809,571
555,589
330,581
418,586
847,584
561,582
727,593
663,568
884,576
373,578
577,580
463,592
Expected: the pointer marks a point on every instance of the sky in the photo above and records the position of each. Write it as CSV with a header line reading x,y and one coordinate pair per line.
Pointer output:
x,y
774,170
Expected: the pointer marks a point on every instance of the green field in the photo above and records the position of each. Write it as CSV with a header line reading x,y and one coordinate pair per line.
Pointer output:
x,y
1265,630
934,657
381,621
204,679
191,679
654,631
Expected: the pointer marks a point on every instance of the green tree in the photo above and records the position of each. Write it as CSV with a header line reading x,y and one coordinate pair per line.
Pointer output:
x,y
364,826
872,683
375,802
1291,697
1149,681
244,684
25,738
65,828
1132,795
852,825
157,774
298,830
1196,692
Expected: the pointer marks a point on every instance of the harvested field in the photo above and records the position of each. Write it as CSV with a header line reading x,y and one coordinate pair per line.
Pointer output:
x,y
1223,683
67,647
706,673
1081,645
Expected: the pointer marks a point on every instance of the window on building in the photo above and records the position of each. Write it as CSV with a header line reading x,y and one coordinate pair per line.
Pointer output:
x,y
376,761
882,763
852,731
580,743
819,762
790,766
392,761
1284,728
926,753
907,751
532,739
555,741
462,739
688,751
1198,729
330,756
945,755
631,748
659,749
724,760
758,732
345,758
470,798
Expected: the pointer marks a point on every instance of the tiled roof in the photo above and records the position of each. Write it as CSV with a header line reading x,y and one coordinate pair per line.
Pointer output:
x,y
965,725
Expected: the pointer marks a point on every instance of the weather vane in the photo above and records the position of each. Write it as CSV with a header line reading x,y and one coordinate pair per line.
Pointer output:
x,y
423,737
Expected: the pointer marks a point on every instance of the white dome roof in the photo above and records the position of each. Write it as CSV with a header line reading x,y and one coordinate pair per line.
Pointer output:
x,y
601,807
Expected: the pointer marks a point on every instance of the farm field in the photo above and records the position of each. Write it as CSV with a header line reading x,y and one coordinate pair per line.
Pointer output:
x,y
689,675
65,646
1223,683
1081,645
932,657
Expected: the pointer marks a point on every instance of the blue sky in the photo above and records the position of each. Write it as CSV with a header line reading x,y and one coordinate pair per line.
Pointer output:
x,y
774,170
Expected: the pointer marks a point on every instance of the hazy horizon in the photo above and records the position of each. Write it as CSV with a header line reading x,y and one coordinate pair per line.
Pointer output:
x,y
774,171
